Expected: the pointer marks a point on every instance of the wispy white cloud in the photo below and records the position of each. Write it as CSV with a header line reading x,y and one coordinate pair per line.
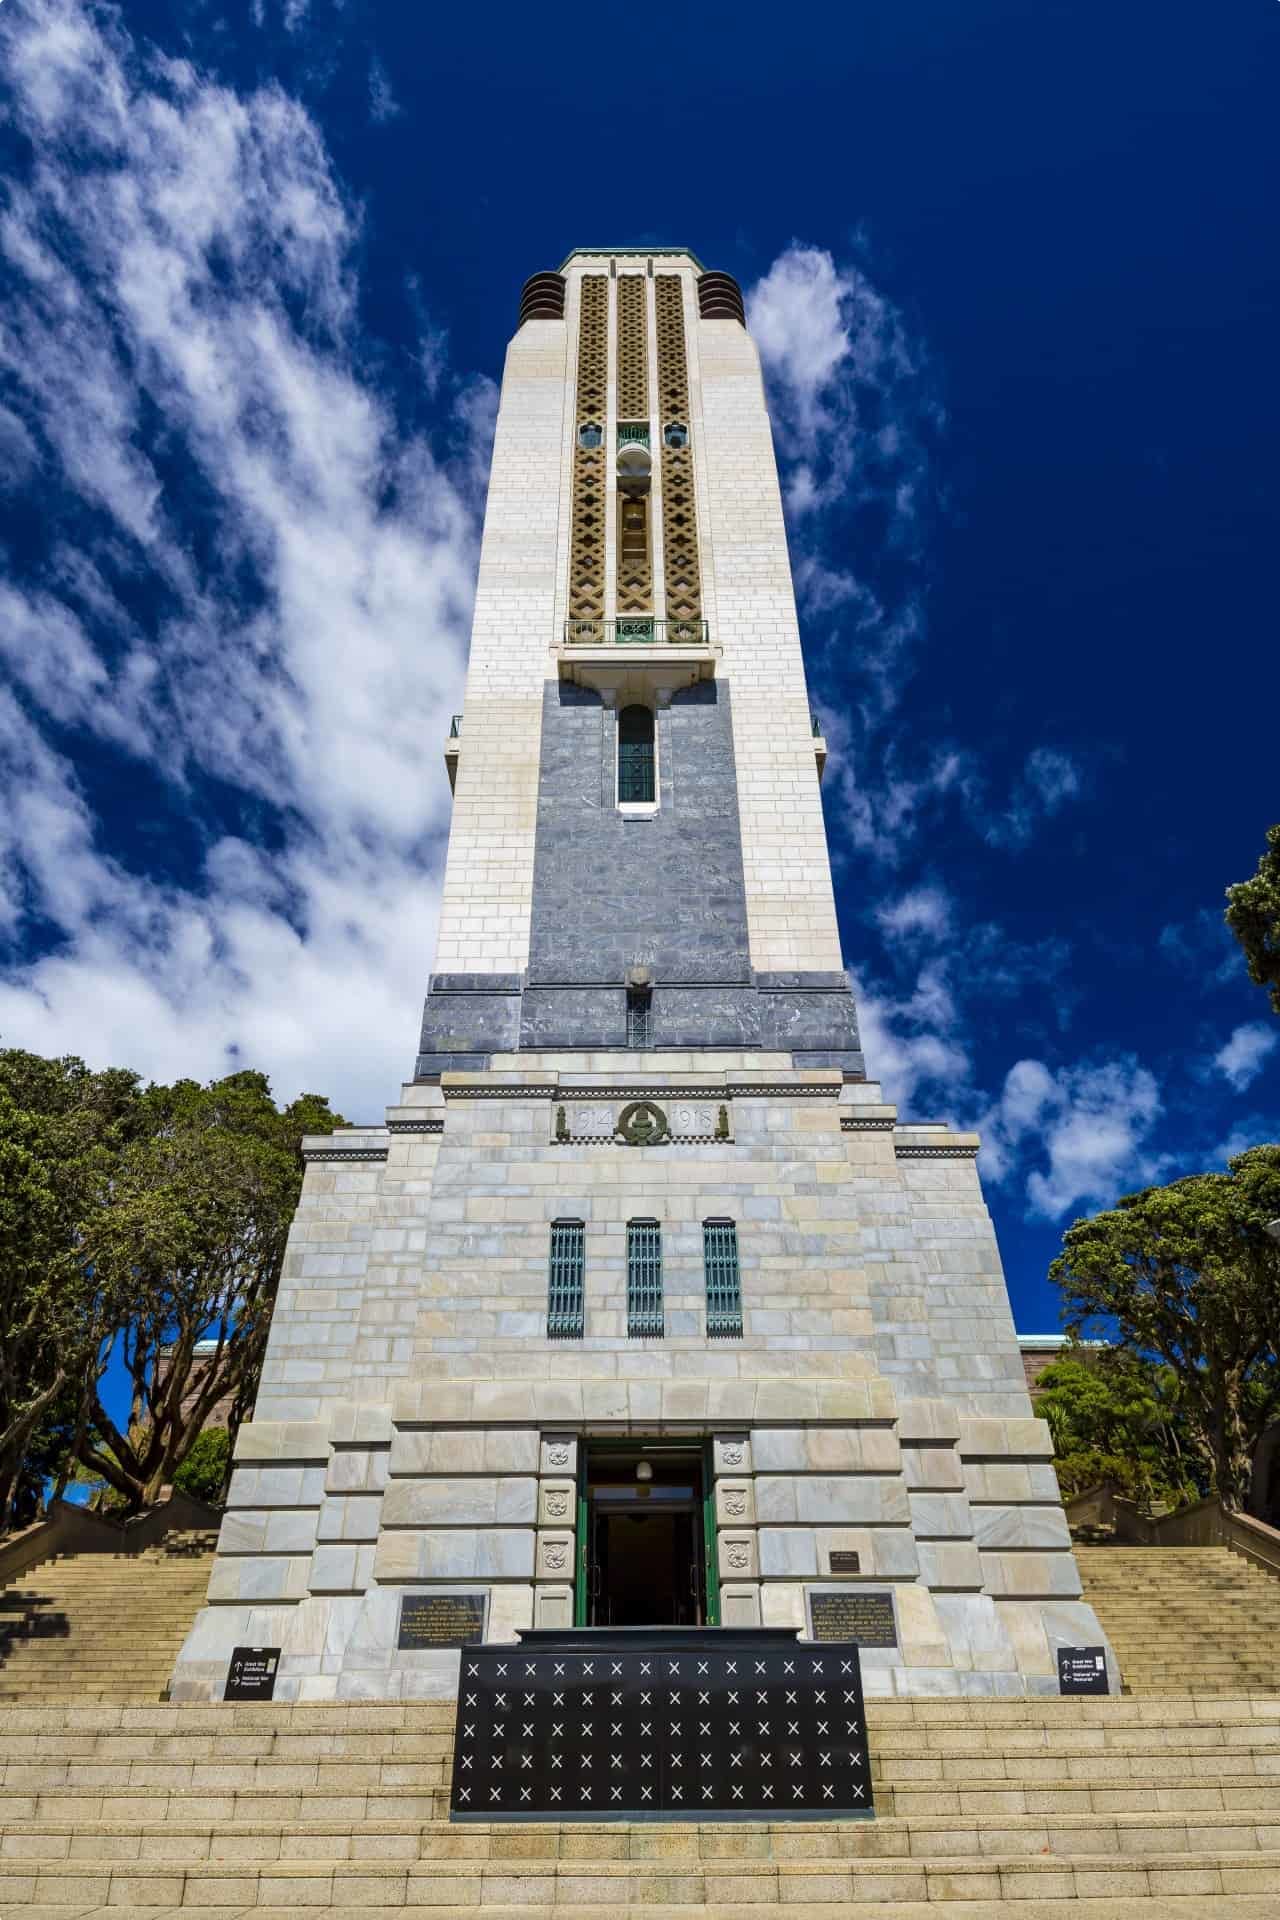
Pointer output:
x,y
383,105
1049,779
182,251
922,912
852,408
838,355
913,1047
1202,950
1244,1055
1084,1132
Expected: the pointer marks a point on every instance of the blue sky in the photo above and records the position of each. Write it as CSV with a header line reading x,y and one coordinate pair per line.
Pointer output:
x,y
1013,272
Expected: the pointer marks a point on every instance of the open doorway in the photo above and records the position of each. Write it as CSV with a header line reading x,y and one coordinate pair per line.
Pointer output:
x,y
646,1545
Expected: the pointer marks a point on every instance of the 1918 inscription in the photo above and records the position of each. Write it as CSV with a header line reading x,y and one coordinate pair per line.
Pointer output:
x,y
440,1620
866,1618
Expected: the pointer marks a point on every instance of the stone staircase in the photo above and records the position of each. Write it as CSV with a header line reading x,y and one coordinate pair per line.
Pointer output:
x,y
102,1626
1186,1620
1164,1804
1134,1807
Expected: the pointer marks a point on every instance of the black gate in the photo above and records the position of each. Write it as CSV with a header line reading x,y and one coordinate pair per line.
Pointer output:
x,y
666,1723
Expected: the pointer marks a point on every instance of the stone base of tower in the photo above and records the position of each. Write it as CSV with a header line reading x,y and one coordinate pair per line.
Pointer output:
x,y
418,1435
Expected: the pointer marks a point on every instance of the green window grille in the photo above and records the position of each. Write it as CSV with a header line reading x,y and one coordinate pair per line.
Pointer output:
x,y
645,1316
635,755
639,1019
633,433
564,1282
633,633
724,1285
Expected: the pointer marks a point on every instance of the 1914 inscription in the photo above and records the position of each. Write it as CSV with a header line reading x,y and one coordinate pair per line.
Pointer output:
x,y
440,1620
865,1618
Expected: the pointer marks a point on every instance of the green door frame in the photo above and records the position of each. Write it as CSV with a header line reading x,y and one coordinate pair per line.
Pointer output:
x,y
582,1543
709,1534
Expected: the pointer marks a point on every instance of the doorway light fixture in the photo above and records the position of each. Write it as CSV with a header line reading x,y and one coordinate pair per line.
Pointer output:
x,y
644,1470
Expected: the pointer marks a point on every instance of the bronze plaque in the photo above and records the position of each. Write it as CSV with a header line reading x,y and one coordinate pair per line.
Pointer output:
x,y
866,1618
843,1562
440,1620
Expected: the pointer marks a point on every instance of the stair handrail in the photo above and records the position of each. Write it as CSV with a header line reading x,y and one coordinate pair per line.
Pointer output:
x,y
1206,1523
71,1529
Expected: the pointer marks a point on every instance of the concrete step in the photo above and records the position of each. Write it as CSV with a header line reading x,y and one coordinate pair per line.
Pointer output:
x,y
102,1626
1200,1619
409,1841
1147,1803
605,1885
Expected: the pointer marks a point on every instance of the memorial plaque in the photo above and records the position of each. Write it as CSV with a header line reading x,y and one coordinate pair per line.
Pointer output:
x,y
618,1723
843,1562
1082,1670
252,1673
845,1613
440,1620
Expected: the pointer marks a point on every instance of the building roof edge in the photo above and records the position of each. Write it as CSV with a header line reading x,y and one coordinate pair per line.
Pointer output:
x,y
641,252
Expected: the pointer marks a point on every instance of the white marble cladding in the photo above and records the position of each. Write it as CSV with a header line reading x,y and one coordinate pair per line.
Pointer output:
x,y
521,600
416,1428
865,1249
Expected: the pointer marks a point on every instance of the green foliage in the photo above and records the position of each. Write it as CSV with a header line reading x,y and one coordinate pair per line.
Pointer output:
x,y
1253,915
205,1470
141,1220
1187,1274
1116,1417
194,1236
61,1131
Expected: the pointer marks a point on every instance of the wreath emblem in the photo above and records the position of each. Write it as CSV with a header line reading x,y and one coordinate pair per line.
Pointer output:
x,y
643,1125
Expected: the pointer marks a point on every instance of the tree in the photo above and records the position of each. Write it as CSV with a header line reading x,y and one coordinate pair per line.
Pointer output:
x,y
61,1128
1253,915
191,1244
1117,1417
207,1467
1188,1274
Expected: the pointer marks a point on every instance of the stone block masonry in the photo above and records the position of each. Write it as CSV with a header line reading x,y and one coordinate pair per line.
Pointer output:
x,y
640,1193
416,1429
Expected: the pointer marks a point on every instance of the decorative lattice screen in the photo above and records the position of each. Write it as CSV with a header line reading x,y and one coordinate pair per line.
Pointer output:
x,y
679,516
586,546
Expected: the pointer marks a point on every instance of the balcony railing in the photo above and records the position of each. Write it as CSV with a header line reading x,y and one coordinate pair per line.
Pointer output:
x,y
638,631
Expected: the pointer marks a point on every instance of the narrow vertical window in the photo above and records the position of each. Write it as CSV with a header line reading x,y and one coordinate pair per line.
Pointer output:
x,y
639,1017
645,1316
636,783
564,1281
724,1286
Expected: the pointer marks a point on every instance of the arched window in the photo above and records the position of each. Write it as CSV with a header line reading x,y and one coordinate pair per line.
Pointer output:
x,y
636,783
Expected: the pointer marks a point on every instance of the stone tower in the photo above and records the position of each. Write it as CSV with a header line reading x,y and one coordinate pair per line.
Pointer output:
x,y
642,1307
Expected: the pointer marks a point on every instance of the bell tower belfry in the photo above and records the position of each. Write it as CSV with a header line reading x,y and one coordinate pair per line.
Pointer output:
x,y
642,1307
